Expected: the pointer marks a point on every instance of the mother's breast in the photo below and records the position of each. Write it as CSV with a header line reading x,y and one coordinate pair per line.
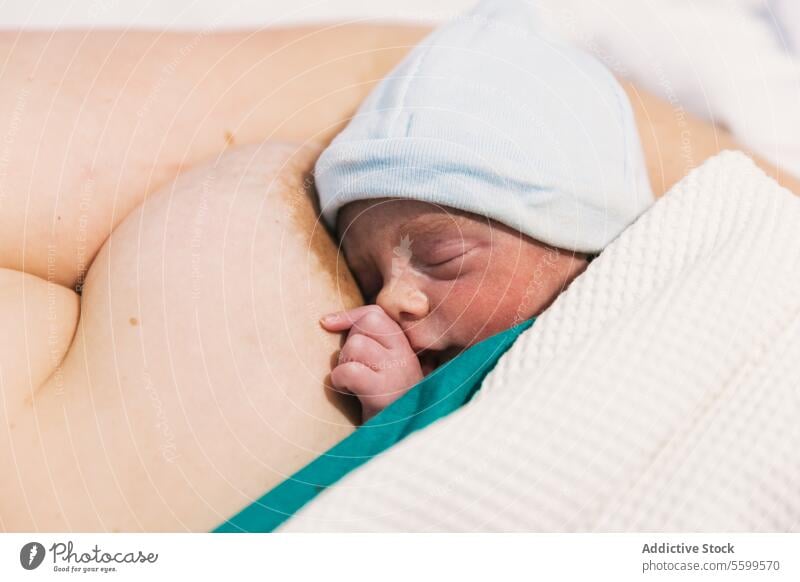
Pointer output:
x,y
196,380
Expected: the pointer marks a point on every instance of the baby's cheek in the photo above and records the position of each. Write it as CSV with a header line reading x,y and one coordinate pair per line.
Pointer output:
x,y
529,292
533,288
482,309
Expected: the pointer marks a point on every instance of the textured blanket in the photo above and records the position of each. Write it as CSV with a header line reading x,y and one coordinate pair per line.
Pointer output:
x,y
660,392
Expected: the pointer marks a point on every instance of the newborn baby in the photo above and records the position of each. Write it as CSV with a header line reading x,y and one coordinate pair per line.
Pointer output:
x,y
441,280
470,188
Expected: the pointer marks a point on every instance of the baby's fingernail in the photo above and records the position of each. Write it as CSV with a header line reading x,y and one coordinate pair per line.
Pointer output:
x,y
330,318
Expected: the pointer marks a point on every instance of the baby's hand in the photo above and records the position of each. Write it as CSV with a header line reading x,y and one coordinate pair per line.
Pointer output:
x,y
376,362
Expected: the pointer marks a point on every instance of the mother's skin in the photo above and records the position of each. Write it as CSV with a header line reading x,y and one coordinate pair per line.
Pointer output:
x,y
193,382
187,380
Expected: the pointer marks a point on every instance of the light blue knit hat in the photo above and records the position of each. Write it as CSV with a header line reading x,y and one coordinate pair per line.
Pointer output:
x,y
491,116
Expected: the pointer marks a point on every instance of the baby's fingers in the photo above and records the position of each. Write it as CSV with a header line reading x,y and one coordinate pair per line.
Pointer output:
x,y
364,349
354,377
344,320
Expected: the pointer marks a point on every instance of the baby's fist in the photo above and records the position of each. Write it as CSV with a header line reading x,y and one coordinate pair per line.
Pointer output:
x,y
376,362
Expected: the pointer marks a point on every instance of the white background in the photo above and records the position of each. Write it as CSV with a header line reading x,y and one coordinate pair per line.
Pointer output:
x,y
183,14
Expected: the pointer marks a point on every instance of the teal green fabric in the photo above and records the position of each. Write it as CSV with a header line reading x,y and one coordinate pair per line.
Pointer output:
x,y
443,391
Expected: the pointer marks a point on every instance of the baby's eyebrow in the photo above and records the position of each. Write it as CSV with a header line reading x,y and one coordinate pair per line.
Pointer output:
x,y
420,228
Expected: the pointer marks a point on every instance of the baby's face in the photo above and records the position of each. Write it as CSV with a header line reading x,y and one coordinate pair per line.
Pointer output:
x,y
449,278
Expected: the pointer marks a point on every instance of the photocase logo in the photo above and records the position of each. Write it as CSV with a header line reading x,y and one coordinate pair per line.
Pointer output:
x,y
402,256
31,555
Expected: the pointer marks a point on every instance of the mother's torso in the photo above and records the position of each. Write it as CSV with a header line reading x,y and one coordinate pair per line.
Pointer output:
x,y
194,382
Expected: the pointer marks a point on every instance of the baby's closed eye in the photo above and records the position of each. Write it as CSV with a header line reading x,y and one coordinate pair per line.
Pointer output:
x,y
447,263
442,258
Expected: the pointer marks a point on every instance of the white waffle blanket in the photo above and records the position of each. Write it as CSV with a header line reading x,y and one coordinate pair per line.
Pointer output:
x,y
660,392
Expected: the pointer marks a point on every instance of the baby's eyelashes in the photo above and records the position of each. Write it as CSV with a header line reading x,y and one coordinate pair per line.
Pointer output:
x,y
443,251
439,262
450,267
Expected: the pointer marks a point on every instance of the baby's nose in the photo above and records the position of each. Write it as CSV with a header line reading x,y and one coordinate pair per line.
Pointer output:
x,y
403,300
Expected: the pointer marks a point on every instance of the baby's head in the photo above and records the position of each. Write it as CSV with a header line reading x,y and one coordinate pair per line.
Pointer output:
x,y
488,148
450,278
